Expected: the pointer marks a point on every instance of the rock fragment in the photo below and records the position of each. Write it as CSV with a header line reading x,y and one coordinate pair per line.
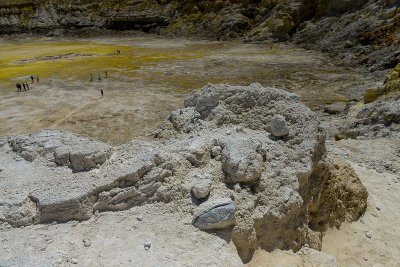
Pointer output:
x,y
87,243
147,245
278,126
201,188
213,215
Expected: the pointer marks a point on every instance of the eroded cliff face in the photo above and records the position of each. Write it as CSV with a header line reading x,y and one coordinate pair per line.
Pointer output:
x,y
361,32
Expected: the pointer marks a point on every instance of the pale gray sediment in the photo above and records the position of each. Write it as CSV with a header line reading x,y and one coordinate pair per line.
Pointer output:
x,y
288,195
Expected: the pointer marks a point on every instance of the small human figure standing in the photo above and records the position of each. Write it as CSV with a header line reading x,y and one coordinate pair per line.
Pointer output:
x,y
118,52
91,77
106,74
33,81
37,79
18,87
24,86
27,85
102,93
99,78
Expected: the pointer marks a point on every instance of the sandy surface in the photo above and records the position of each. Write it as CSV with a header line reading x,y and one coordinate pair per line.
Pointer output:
x,y
146,81
374,240
118,239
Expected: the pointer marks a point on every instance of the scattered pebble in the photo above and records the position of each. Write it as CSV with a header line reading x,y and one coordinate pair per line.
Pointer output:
x,y
87,243
237,188
74,261
378,208
368,234
365,258
139,217
239,129
147,245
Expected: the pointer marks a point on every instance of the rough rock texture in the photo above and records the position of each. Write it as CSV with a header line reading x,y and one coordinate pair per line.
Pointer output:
x,y
202,187
368,29
377,119
217,214
277,193
279,127
63,148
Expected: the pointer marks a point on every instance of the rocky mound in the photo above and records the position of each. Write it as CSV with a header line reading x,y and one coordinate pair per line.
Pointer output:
x,y
250,161
378,115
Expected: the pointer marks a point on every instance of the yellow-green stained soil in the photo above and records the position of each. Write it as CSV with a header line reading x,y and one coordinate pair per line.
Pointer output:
x,y
148,79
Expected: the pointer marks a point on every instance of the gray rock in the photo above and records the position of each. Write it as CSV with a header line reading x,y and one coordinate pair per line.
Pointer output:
x,y
79,152
203,102
334,108
278,126
240,161
147,245
216,151
201,188
217,214
199,154
87,243
237,188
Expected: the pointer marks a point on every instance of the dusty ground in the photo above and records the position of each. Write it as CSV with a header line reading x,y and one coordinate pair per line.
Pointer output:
x,y
147,80
119,239
150,79
374,239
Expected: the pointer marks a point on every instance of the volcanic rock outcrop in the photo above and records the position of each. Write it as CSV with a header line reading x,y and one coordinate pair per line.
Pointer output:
x,y
364,25
378,115
266,190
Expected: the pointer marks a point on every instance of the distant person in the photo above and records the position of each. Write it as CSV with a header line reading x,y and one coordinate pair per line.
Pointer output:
x,y
118,52
102,93
106,74
32,79
18,87
24,86
91,77
99,78
27,85
37,79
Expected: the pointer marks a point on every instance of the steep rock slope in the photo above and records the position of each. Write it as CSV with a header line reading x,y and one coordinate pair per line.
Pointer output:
x,y
361,32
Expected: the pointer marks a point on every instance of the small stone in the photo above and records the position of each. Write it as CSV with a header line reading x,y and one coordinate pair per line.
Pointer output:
x,y
348,44
239,129
278,126
378,208
229,132
96,213
365,258
216,151
147,245
139,217
74,261
306,246
87,243
368,234
237,188
201,188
